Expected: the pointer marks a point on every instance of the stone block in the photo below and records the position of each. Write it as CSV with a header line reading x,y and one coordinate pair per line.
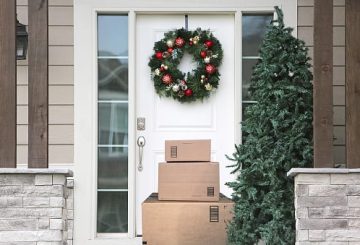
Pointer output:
x,y
70,214
17,224
353,212
43,179
51,243
70,203
301,213
302,235
43,191
345,179
57,202
36,202
50,235
322,224
301,190
18,243
354,223
314,179
315,202
43,224
10,191
59,179
354,201
70,233
327,190
16,179
353,190
14,201
16,236
56,224
343,235
328,212
317,235
70,183
30,212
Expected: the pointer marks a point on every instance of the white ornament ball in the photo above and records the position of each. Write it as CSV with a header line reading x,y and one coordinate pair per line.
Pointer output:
x,y
170,43
175,88
291,74
202,76
183,87
207,60
208,87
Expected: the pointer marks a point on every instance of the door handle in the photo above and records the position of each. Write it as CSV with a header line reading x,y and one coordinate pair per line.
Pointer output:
x,y
141,143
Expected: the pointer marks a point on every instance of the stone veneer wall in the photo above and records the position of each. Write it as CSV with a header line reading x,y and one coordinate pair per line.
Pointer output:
x,y
327,203
36,207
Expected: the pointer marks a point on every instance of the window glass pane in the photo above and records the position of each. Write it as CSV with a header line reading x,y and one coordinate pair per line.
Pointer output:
x,y
113,79
112,216
112,168
253,32
112,35
247,71
113,123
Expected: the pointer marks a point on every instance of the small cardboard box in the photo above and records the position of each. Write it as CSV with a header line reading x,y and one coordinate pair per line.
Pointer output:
x,y
195,181
185,223
187,150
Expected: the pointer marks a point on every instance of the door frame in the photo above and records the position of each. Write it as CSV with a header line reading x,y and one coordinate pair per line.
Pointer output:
x,y
85,95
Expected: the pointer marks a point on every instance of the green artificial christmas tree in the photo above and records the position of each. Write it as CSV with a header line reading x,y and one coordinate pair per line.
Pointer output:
x,y
277,136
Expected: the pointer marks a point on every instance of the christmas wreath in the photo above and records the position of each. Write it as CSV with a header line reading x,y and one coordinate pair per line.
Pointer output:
x,y
169,81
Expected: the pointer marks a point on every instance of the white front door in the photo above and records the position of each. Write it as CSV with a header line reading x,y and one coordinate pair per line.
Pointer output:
x,y
166,118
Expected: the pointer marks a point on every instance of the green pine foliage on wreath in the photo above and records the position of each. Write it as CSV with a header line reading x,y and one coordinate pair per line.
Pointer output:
x,y
169,81
277,136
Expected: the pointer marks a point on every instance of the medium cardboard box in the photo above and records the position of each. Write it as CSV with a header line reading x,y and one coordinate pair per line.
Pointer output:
x,y
195,181
187,150
185,223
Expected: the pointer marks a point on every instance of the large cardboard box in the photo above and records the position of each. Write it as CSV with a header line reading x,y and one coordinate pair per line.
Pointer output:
x,y
185,223
195,181
187,150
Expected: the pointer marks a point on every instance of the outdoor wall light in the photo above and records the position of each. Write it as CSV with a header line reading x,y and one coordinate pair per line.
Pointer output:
x,y
21,41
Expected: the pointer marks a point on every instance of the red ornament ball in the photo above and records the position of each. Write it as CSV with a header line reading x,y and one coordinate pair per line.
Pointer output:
x,y
210,69
167,79
170,50
209,43
188,92
162,68
179,42
159,55
203,54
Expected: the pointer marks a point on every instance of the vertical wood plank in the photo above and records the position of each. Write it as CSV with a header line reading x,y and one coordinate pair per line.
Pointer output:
x,y
323,76
353,83
7,84
38,84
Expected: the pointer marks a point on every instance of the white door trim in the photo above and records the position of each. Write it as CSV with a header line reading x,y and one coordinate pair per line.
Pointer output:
x,y
85,93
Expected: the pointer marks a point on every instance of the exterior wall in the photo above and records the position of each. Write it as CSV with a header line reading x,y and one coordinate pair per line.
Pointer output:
x,y
61,86
327,203
36,208
305,32
61,70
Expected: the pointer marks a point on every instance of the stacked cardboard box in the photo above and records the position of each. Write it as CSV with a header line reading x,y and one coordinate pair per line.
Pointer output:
x,y
189,210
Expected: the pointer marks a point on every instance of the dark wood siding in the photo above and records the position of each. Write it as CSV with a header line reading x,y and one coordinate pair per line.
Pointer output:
x,y
38,84
353,83
8,84
323,77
